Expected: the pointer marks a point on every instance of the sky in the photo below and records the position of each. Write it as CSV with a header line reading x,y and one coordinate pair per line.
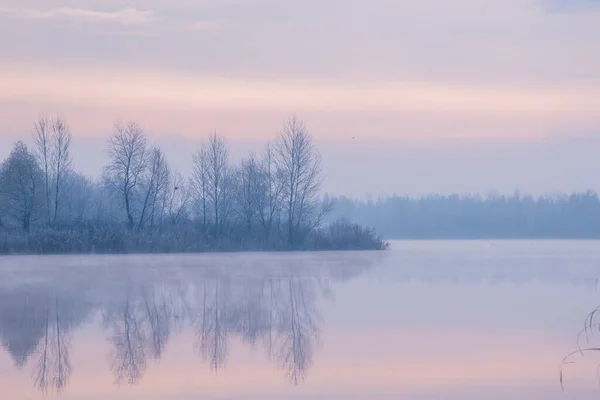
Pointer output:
x,y
401,96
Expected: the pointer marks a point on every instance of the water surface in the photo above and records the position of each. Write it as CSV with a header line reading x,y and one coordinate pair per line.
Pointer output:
x,y
426,320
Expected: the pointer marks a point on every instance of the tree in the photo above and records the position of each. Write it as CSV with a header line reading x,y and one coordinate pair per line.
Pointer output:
x,y
128,160
176,198
270,201
299,169
212,177
265,201
249,189
200,182
78,196
153,183
52,143
61,159
43,151
21,181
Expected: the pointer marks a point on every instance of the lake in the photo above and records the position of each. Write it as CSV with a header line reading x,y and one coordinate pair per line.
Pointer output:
x,y
426,320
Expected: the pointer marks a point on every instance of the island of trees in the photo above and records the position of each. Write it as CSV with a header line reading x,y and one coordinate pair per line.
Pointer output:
x,y
268,201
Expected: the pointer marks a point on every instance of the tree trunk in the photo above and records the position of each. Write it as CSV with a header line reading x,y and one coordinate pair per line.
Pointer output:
x,y
128,210
56,194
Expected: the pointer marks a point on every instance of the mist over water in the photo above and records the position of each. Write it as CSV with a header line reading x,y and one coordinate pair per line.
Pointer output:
x,y
471,319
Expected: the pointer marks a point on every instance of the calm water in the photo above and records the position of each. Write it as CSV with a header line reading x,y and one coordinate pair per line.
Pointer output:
x,y
426,320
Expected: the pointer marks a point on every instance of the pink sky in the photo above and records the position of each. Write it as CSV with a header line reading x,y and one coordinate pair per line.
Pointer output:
x,y
380,71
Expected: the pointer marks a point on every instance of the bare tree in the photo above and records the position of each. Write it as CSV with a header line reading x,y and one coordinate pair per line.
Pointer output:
x,y
21,181
211,176
105,204
154,183
176,199
163,188
249,188
43,151
270,201
200,182
299,168
52,143
79,196
128,160
218,170
61,159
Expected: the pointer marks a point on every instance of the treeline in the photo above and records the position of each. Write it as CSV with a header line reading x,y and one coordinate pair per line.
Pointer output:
x,y
268,201
560,216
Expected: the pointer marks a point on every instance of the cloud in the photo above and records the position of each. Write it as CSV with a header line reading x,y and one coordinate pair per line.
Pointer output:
x,y
206,25
198,26
129,33
124,16
127,17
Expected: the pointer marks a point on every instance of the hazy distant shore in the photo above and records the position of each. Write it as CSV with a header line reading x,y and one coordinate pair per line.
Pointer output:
x,y
495,216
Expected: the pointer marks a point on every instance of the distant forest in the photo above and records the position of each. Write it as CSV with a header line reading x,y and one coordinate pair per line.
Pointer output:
x,y
560,216
266,201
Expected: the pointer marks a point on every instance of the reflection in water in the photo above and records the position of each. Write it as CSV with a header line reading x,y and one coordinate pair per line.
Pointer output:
x,y
140,326
53,367
263,321
297,330
584,343
36,330
130,340
212,325
280,313
140,311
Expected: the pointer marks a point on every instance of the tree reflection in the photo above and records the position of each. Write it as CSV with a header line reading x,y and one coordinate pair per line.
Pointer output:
x,y
212,327
250,314
129,341
281,313
22,324
297,329
39,327
140,326
273,308
53,367
162,318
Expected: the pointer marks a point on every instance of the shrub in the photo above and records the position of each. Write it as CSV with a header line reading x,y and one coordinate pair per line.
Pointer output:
x,y
344,235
